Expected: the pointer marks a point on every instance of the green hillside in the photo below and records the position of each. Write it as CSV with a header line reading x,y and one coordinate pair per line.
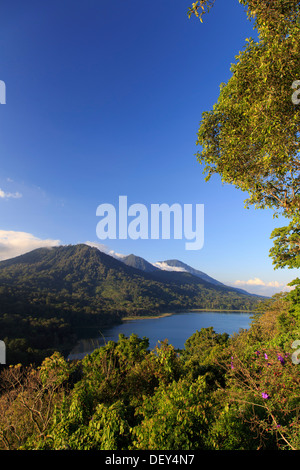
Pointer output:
x,y
51,297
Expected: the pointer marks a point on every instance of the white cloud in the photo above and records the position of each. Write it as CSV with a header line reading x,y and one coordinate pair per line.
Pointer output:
x,y
257,286
258,282
166,267
251,282
105,249
17,243
5,195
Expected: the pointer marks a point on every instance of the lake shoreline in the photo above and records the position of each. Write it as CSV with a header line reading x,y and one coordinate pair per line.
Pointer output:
x,y
177,327
192,310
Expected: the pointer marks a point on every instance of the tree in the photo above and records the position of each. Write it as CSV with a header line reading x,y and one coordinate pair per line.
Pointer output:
x,y
251,136
28,397
176,417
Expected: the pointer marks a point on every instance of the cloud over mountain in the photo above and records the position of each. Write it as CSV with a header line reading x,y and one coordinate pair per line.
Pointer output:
x,y
14,243
105,249
166,267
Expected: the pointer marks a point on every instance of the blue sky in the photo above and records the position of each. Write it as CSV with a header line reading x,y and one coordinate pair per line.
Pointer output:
x,y
104,99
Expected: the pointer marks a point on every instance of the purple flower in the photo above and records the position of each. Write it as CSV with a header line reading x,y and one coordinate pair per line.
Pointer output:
x,y
257,353
280,358
265,395
266,356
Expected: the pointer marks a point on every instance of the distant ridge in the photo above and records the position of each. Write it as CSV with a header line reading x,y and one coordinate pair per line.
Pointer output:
x,y
174,263
139,263
200,274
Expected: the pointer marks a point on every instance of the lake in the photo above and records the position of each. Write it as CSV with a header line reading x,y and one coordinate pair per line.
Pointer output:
x,y
177,328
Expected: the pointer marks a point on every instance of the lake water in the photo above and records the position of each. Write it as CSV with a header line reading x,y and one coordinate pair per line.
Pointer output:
x,y
176,328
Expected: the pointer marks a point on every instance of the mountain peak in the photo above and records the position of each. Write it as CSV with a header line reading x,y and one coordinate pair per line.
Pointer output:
x,y
138,263
176,265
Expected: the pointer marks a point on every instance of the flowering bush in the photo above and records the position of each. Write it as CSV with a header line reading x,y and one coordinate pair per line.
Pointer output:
x,y
268,384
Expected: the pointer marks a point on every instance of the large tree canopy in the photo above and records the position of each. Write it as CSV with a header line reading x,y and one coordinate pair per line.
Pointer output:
x,y
251,136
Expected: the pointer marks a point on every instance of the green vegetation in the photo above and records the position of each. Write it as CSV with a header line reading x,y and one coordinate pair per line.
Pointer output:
x,y
251,136
50,298
218,393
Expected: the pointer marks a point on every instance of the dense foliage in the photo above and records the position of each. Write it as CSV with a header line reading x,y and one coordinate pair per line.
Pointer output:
x,y
218,393
251,136
48,298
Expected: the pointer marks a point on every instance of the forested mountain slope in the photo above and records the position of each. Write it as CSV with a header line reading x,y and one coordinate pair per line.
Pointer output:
x,y
50,296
